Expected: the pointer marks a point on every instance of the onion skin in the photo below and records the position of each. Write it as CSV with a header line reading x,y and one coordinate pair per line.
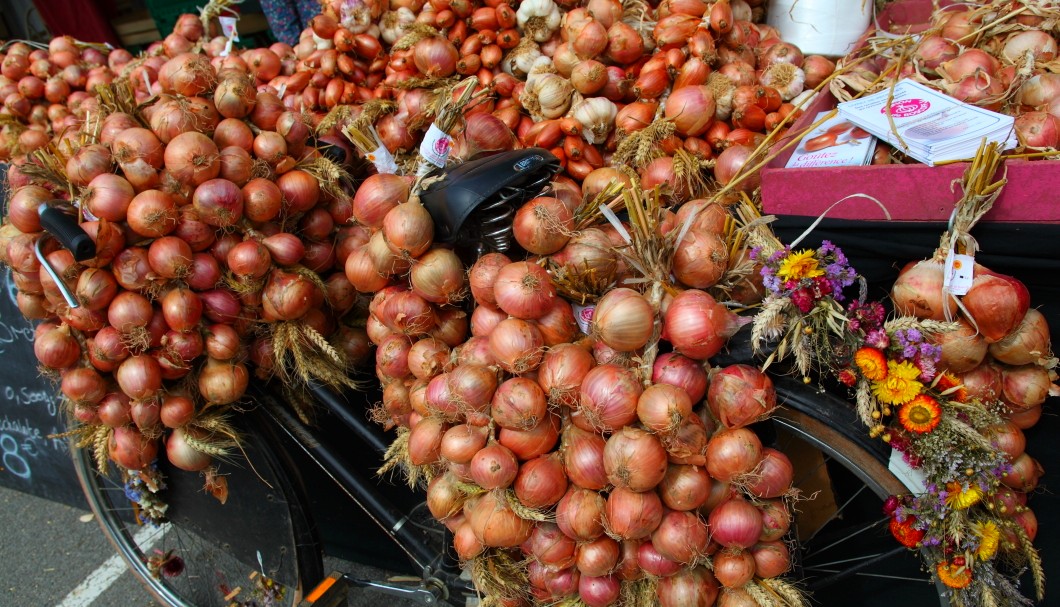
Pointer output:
x,y
1029,343
963,349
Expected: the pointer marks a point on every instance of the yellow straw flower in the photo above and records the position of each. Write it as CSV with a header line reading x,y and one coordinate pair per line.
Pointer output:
x,y
799,265
960,498
900,386
989,539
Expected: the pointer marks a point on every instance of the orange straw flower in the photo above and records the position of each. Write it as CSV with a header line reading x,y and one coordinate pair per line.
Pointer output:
x,y
871,362
955,574
905,533
920,415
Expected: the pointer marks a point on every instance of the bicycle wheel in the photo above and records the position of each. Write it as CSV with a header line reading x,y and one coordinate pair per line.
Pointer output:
x,y
844,546
256,549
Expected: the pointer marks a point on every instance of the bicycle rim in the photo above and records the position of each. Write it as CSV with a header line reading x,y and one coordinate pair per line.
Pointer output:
x,y
845,550
256,549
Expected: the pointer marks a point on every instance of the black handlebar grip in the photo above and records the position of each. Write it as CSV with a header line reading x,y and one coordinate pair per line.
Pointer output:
x,y
65,228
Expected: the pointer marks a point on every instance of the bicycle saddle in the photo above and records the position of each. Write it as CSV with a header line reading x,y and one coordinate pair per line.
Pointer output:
x,y
490,189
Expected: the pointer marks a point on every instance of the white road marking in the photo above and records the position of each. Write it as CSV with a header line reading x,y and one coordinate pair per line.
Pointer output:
x,y
99,580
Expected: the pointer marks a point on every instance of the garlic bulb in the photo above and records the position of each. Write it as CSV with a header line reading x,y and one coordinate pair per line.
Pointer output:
x,y
723,89
521,59
355,16
543,65
788,79
597,117
323,44
392,25
547,97
538,19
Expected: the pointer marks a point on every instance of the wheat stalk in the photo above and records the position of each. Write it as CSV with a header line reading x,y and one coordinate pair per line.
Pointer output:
x,y
526,512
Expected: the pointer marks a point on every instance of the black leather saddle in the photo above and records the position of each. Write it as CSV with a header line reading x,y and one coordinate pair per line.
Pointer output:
x,y
475,202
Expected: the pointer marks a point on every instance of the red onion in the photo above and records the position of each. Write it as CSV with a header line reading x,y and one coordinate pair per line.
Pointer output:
x,y
680,371
733,452
681,537
697,325
740,395
607,399
735,523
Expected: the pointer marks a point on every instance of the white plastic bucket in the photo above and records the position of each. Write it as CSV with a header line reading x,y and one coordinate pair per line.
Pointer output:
x,y
821,27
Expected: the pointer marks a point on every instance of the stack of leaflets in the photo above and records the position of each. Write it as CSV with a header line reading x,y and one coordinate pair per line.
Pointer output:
x,y
928,125
834,143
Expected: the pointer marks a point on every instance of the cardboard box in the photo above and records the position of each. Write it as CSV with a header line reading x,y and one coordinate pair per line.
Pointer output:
x,y
910,192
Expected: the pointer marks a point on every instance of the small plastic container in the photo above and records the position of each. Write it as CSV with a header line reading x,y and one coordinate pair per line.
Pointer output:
x,y
821,27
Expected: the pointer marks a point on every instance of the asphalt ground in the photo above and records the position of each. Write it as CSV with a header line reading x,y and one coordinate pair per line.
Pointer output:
x,y
52,554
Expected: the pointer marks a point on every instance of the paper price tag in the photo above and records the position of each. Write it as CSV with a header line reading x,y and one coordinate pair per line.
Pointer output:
x,y
435,146
383,160
228,27
958,273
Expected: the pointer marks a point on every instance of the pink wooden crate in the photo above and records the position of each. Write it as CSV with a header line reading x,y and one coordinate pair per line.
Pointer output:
x,y
911,192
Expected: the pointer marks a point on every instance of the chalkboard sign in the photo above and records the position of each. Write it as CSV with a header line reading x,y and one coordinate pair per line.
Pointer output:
x,y
29,409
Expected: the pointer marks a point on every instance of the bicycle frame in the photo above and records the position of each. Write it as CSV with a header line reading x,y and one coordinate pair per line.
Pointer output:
x,y
440,567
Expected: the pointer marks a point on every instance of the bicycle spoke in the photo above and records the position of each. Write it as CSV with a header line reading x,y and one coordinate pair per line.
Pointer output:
x,y
863,529
903,578
835,514
823,566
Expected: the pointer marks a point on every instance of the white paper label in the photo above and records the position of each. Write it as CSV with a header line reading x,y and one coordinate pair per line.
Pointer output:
x,y
435,146
383,160
910,476
227,50
88,214
583,315
228,28
958,276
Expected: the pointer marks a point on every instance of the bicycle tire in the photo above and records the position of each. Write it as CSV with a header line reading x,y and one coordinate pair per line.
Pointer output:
x,y
260,529
827,424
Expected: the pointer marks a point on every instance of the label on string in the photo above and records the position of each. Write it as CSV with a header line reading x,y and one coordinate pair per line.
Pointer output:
x,y
383,160
435,147
958,273
228,27
583,315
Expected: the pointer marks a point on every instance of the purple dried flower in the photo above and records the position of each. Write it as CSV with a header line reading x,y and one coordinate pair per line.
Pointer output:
x,y
878,339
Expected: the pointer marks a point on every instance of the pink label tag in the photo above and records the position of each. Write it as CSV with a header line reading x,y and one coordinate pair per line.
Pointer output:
x,y
228,27
583,315
435,147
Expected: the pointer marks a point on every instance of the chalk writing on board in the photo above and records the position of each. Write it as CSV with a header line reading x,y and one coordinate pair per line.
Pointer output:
x,y
12,460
